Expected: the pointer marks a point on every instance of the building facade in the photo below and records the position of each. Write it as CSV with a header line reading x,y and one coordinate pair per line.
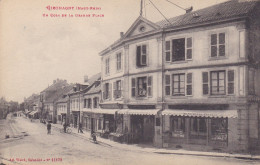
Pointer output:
x,y
191,80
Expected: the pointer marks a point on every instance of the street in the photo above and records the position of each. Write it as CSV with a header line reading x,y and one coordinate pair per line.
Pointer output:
x,y
30,144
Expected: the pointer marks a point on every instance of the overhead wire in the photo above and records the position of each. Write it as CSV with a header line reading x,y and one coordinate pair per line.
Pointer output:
x,y
160,12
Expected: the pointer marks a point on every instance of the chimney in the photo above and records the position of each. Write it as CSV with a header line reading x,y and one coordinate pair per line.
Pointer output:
x,y
188,10
121,34
85,78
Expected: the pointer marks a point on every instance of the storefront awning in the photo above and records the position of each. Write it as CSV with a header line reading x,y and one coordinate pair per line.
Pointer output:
x,y
87,110
201,113
139,111
105,111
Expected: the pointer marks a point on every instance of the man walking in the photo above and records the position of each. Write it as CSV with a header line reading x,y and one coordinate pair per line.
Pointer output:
x,y
49,128
80,128
65,127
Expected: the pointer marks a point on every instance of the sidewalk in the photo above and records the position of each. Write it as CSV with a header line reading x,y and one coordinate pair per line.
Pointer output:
x,y
151,149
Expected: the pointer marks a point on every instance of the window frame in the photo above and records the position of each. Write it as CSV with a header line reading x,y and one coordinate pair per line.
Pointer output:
x,y
119,61
185,45
179,84
107,66
218,86
218,44
135,87
141,65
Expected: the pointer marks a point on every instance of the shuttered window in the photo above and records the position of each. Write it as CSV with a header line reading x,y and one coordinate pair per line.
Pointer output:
x,y
218,47
141,55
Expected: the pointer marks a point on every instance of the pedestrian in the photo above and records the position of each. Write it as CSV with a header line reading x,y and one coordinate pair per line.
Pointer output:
x,y
80,128
65,127
49,128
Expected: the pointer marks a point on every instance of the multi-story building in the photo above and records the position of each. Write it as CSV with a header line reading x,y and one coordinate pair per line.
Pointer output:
x,y
188,80
48,98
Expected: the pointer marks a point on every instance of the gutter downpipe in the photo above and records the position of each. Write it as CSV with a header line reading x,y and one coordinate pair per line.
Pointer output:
x,y
163,106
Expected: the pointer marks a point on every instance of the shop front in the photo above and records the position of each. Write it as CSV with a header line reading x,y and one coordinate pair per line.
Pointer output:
x,y
104,121
139,125
198,127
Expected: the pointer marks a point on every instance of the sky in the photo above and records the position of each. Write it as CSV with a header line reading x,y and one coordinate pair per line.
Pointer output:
x,y
35,50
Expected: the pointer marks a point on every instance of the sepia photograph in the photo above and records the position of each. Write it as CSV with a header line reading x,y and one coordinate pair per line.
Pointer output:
x,y
129,82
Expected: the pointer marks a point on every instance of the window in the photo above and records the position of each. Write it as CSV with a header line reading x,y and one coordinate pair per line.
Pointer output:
x,y
85,103
178,84
95,102
141,55
175,85
217,82
198,127
107,66
178,126
178,49
106,91
118,61
142,86
218,47
117,89
89,103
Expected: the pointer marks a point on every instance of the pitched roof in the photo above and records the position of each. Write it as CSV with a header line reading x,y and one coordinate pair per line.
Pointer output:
x,y
58,84
59,93
221,11
94,89
225,10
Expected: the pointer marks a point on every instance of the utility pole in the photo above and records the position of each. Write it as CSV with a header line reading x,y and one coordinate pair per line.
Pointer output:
x,y
141,8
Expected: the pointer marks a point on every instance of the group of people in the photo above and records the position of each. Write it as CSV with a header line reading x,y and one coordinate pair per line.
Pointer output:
x,y
65,125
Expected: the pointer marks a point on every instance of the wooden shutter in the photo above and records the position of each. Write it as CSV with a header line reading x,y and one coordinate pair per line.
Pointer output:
x,y
189,48
189,84
167,85
144,55
205,82
231,79
150,86
133,91
138,55
168,51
